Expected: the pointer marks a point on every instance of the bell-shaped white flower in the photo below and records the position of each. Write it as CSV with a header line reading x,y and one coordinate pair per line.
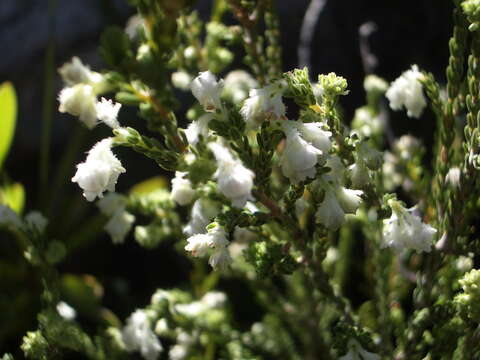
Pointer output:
x,y
138,336
299,157
234,180
216,239
359,174
119,225
197,128
111,202
207,90
99,172
349,199
406,91
316,135
182,192
121,221
220,259
366,123
75,72
405,230
107,112
198,244
178,352
79,100
238,84
356,352
453,177
66,311
181,80
263,104
330,214
337,169
202,213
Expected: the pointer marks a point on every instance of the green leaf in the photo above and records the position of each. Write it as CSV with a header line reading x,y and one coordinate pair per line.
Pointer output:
x,y
13,195
149,185
8,117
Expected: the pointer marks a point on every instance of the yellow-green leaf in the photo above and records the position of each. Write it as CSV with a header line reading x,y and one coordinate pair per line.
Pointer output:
x,y
150,185
8,117
13,195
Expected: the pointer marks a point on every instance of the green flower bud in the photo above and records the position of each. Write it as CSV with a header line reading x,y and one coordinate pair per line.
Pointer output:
x,y
468,301
35,346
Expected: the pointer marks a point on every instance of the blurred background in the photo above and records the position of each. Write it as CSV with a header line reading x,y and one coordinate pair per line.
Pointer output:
x,y
38,36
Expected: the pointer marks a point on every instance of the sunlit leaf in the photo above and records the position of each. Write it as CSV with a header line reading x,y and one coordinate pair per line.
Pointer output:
x,y
8,116
13,195
149,185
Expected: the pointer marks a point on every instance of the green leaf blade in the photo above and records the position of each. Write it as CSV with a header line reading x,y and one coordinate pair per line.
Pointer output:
x,y
8,118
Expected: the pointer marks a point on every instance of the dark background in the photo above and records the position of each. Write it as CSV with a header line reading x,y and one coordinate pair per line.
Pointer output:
x,y
407,32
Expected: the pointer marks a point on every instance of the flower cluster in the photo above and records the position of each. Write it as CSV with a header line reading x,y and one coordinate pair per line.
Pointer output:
x,y
215,239
79,97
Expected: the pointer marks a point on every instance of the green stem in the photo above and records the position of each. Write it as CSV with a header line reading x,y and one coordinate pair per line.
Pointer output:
x,y
48,100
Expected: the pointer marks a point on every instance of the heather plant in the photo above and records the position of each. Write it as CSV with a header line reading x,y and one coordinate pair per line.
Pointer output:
x,y
273,186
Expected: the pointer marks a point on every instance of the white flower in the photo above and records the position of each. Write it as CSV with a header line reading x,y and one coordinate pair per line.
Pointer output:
x,y
366,123
359,174
79,100
330,214
202,213
314,134
373,83
207,90
299,157
75,72
162,328
119,225
404,230
111,202
198,244
214,299
197,128
178,352
8,217
182,192
99,172
356,352
191,310
406,91
121,221
66,311
215,239
407,146
137,336
237,85
234,180
134,24
181,80
35,221
349,199
337,169
263,104
220,259
107,111
453,177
